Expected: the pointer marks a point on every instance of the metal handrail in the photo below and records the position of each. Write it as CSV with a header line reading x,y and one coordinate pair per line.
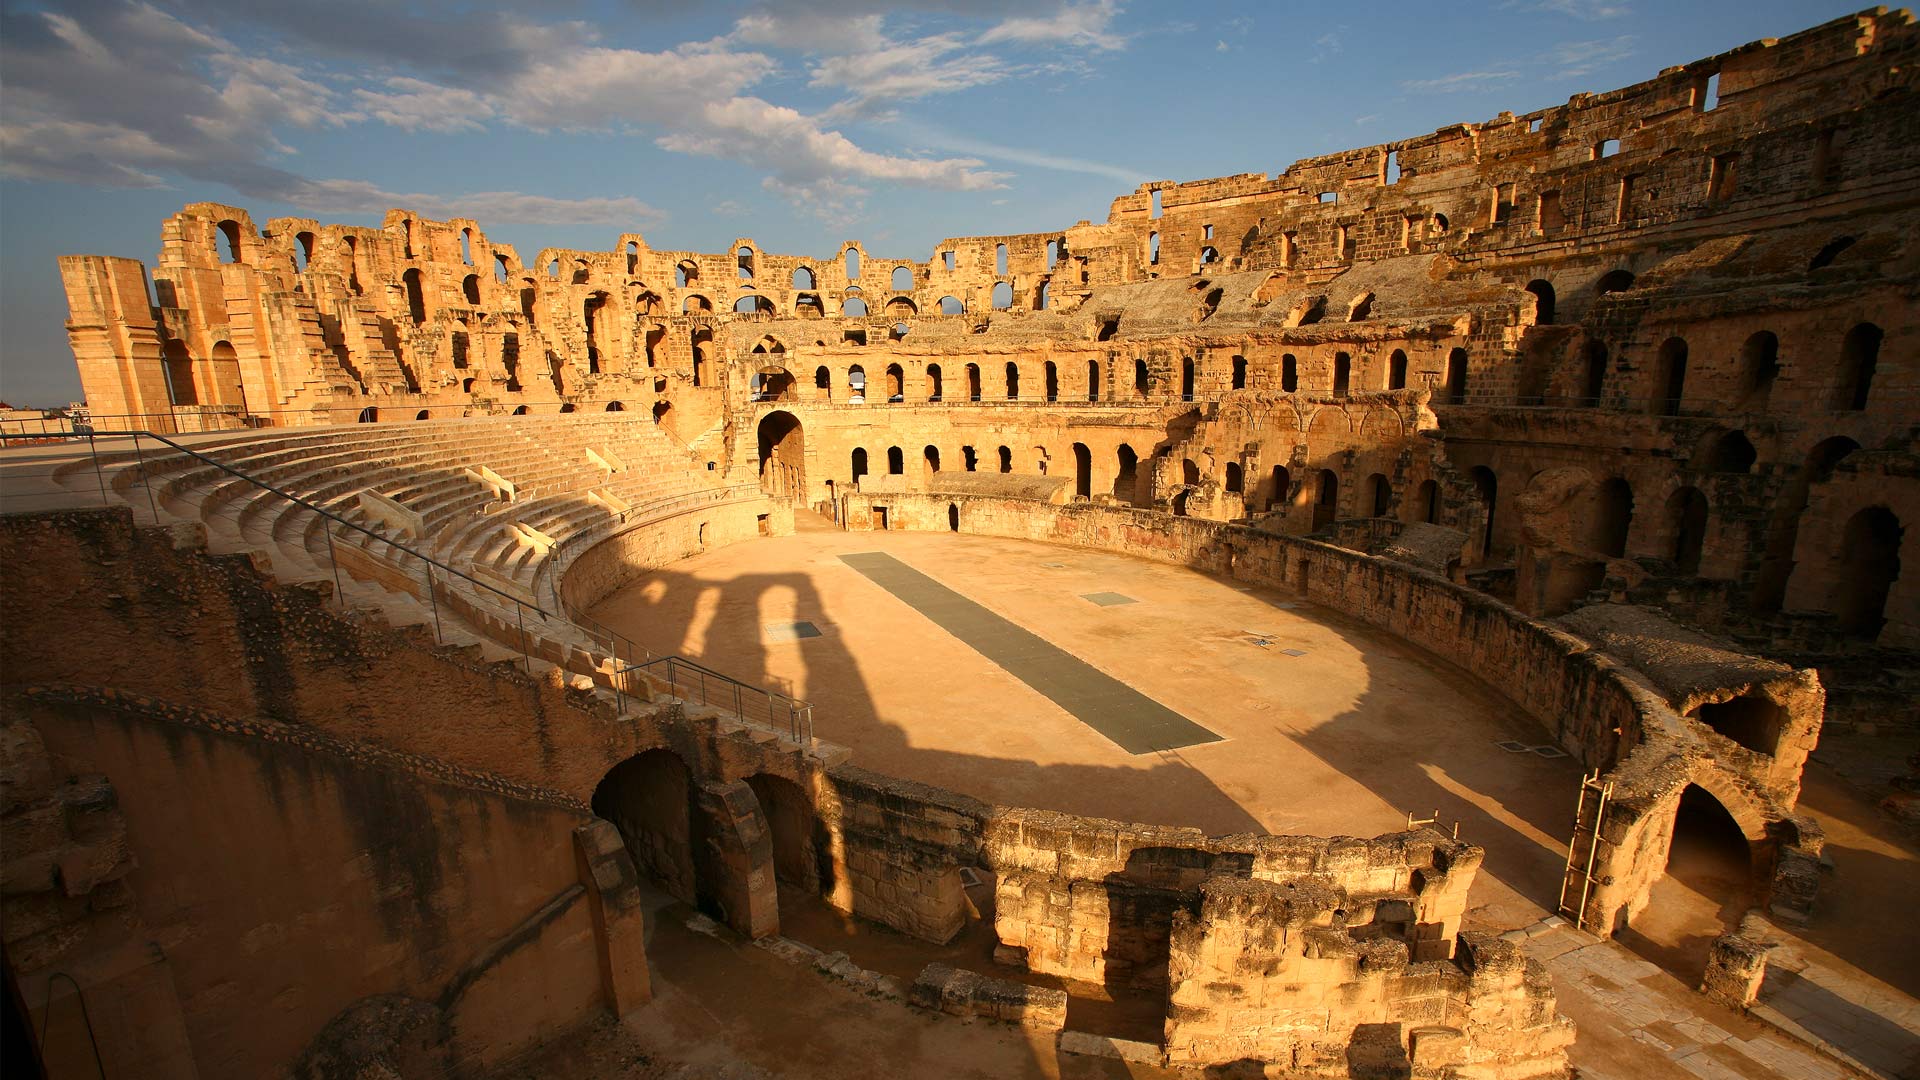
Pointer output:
x,y
297,500
675,670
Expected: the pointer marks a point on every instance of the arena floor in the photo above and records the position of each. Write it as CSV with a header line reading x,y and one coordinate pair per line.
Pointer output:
x,y
1345,738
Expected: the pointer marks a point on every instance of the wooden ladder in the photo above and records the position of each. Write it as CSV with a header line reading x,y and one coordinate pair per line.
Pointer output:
x,y
1596,794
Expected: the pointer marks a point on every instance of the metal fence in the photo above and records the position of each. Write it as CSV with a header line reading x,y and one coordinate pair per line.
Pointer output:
x,y
133,469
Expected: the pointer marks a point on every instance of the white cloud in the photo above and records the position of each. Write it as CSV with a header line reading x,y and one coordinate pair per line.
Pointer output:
x,y
1578,59
359,197
1584,10
904,71
1087,25
415,105
1453,84
960,144
797,150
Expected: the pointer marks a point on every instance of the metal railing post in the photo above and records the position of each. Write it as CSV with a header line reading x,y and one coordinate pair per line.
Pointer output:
x,y
434,598
339,590
145,480
102,480
520,614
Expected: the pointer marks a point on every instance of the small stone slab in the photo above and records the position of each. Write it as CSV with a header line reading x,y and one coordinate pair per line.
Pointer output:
x,y
1108,599
1294,652
1088,1044
788,631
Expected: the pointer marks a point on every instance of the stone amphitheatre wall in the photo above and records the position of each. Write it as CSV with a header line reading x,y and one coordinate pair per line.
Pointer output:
x,y
382,727
1610,716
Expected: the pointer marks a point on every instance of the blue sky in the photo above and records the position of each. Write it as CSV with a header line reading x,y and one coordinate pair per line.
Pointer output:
x,y
800,124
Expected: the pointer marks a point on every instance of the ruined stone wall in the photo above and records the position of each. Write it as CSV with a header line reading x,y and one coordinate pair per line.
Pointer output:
x,y
453,896
1595,706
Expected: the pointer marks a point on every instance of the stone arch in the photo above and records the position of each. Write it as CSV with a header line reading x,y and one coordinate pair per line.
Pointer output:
x,y
1686,513
648,797
1870,564
801,848
782,453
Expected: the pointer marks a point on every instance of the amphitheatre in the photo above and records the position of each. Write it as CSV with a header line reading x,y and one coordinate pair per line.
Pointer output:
x,y
1440,610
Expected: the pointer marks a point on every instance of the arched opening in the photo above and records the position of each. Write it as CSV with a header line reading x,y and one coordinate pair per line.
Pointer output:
x,y
1542,291
933,382
614,406
952,306
424,414
590,317
782,444
500,269
1362,308
1751,720
1759,365
702,345
470,289
953,517
1612,517
1013,380
1186,379
1342,374
567,408
859,464
1594,374
1457,377
896,462
1040,298
1189,473
823,381
179,372
353,264
753,304
852,264
896,383
660,411
1326,500
1487,487
902,280
230,233
853,307
743,259
777,385
1239,373
1289,373
1397,370
1126,477
970,459
581,272
1051,377
856,384
802,278
1378,493
1002,296
1278,486
1093,380
1829,252
1140,382
1614,281
1859,356
800,846
1687,527
1235,482
930,462
416,301
973,382
647,798
1426,503
1870,563
1006,459
1730,453
1000,260
302,251
1670,377
901,308
1180,499
1707,888
521,410
369,415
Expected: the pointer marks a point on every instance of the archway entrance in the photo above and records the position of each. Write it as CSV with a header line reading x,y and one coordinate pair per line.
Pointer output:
x,y
782,456
1082,471
1870,561
1706,890
646,798
800,846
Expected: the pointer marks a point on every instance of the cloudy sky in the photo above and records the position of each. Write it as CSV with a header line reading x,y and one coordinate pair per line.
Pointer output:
x,y
800,123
